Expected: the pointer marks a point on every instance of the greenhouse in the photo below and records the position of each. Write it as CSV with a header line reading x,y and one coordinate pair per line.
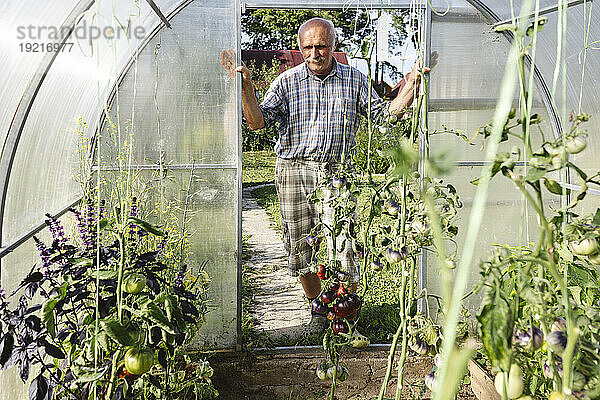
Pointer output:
x,y
145,238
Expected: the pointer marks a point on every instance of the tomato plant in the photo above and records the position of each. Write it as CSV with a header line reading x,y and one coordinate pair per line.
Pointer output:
x,y
540,306
147,309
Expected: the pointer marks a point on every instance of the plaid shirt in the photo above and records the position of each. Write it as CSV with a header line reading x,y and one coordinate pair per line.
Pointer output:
x,y
315,114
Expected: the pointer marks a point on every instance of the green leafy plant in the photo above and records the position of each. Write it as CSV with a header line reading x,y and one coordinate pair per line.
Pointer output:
x,y
111,309
105,313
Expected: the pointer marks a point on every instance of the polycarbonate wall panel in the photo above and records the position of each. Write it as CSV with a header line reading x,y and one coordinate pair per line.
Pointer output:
x,y
41,180
15,267
465,84
442,6
195,98
18,65
502,8
464,89
210,198
195,101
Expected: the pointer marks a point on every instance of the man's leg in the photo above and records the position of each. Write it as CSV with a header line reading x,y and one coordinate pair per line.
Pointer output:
x,y
294,182
311,284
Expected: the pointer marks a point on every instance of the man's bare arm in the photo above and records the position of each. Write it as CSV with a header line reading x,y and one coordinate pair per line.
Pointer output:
x,y
250,108
400,104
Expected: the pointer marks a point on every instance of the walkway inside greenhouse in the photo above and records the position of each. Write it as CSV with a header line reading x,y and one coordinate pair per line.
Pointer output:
x,y
278,305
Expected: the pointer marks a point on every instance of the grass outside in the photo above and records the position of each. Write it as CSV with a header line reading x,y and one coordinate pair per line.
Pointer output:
x,y
258,167
380,315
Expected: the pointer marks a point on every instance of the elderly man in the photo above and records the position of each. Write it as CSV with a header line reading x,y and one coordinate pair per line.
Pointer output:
x,y
318,105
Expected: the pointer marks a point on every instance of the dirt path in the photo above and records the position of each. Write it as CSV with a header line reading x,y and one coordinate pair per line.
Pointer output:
x,y
280,306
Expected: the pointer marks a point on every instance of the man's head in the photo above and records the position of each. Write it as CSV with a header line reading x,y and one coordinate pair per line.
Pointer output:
x,y
317,40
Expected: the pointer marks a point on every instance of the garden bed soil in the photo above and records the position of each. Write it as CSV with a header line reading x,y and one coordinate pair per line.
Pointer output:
x,y
289,373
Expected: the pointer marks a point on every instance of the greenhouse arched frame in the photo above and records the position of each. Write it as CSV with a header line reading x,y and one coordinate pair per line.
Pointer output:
x,y
187,114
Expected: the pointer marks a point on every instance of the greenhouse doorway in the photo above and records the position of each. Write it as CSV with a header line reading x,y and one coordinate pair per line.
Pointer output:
x,y
275,310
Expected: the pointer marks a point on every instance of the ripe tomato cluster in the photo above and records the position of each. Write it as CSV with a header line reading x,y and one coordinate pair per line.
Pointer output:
x,y
336,302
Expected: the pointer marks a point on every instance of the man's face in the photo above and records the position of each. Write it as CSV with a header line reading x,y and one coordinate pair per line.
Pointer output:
x,y
317,49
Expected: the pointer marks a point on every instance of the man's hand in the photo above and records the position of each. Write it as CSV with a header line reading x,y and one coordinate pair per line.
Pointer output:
x,y
228,62
250,107
400,104
415,76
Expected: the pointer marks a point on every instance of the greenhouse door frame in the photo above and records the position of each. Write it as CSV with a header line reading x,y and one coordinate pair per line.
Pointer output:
x,y
375,5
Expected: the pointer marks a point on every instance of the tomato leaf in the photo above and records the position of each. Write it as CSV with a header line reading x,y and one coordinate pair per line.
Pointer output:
x,y
496,319
155,314
146,226
104,274
596,219
117,331
581,174
103,340
88,374
154,380
565,253
554,187
576,293
535,174
402,158
495,170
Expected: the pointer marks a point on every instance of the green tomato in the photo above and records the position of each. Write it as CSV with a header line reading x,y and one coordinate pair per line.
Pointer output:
x,y
594,258
555,396
344,375
420,227
336,370
535,162
584,247
139,361
134,283
553,151
515,382
359,341
557,162
575,145
322,372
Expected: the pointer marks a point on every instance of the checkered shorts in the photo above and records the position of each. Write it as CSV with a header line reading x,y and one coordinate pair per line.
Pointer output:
x,y
295,180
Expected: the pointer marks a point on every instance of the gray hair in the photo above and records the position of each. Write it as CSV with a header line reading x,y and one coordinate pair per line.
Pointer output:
x,y
322,22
